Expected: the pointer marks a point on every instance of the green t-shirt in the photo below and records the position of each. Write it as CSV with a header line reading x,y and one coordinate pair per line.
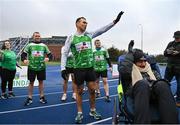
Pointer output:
x,y
81,47
100,56
36,55
70,61
8,60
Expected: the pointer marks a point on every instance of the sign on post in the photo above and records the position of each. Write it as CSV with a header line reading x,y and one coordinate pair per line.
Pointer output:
x,y
20,79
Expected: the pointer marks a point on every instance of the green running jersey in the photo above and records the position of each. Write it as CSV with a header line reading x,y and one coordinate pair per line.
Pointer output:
x,y
70,61
100,56
9,60
36,55
81,48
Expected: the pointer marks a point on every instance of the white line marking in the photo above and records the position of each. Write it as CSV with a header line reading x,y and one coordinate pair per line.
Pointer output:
x,y
48,106
103,120
51,93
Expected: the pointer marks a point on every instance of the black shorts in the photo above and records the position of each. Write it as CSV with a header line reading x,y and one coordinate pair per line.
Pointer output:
x,y
69,70
102,74
41,75
7,75
85,74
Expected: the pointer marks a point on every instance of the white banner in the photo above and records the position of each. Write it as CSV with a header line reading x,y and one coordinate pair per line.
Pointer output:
x,y
20,79
115,72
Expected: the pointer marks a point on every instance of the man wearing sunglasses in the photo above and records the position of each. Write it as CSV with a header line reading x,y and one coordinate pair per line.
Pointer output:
x,y
145,89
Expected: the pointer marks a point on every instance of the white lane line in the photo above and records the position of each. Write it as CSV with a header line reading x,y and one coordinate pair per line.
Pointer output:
x,y
51,93
103,120
48,106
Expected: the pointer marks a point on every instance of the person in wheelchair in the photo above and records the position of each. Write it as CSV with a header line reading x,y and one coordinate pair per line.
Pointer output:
x,y
145,89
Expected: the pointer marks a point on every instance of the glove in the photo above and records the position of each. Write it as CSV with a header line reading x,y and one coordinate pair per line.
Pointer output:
x,y
130,46
175,52
118,17
170,51
64,74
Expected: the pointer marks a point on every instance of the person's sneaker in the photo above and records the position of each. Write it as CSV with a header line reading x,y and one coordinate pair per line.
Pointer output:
x,y
95,114
98,95
28,101
64,97
43,100
107,99
74,96
4,96
11,95
79,118
85,88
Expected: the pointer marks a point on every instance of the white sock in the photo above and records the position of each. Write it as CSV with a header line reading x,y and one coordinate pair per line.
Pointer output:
x,y
80,113
93,109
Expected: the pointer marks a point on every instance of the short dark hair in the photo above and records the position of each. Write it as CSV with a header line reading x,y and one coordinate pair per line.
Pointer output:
x,y
3,45
96,41
77,20
35,32
176,34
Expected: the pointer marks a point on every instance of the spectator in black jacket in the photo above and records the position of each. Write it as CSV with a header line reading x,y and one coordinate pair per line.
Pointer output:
x,y
146,89
172,52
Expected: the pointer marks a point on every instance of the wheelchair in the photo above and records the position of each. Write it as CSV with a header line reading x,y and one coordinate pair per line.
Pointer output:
x,y
124,108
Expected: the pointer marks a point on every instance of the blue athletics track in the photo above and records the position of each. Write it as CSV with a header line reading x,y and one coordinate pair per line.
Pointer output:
x,y
13,111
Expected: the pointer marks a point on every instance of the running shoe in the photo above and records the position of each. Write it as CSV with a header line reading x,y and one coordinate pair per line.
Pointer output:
x,y
64,97
4,96
79,118
95,114
28,101
107,99
74,96
98,95
11,95
43,100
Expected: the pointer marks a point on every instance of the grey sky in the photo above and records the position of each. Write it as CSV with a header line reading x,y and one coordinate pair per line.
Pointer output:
x,y
160,18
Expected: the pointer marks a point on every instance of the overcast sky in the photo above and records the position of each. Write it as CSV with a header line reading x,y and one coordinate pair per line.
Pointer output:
x,y
159,19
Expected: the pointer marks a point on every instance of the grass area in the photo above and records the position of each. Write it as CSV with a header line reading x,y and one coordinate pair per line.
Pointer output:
x,y
53,63
48,63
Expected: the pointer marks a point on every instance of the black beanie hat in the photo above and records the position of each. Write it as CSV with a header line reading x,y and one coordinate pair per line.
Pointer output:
x,y
138,55
177,34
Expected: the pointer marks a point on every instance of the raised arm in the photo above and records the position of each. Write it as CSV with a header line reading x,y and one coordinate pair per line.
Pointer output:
x,y
107,27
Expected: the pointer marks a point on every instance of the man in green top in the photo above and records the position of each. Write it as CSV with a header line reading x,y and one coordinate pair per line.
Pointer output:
x,y
70,72
101,58
34,56
80,45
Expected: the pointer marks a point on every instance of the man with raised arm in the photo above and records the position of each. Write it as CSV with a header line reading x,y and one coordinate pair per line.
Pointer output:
x,y
80,45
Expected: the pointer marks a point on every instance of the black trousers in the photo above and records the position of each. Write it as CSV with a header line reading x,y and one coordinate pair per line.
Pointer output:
x,y
7,76
142,95
170,72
